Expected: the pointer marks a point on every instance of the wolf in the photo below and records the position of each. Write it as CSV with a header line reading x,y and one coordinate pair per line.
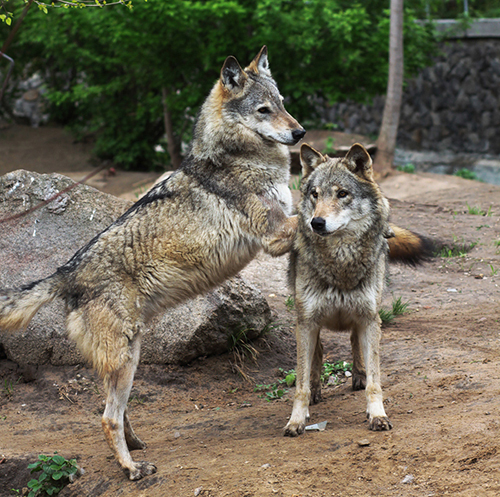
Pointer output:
x,y
336,269
228,200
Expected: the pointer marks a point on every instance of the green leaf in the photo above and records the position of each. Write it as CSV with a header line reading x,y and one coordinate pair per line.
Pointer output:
x,y
59,459
34,484
57,475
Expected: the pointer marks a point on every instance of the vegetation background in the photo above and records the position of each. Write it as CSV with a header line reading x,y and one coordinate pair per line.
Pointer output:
x,y
130,79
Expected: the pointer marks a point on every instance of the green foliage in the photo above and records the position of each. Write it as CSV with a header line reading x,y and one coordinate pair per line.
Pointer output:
x,y
8,387
466,174
56,472
398,307
290,303
106,69
477,211
407,168
241,345
329,148
456,250
335,369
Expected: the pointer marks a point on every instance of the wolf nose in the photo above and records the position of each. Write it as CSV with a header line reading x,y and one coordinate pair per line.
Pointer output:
x,y
298,133
318,224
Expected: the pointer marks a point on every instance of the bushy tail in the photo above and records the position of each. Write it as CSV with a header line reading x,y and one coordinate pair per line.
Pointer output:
x,y
408,247
18,306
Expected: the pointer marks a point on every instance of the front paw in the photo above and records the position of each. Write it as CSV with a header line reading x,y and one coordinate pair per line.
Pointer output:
x,y
294,429
141,469
380,423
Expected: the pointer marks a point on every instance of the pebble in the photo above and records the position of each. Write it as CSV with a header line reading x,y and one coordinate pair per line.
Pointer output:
x,y
364,443
452,290
348,374
198,491
408,479
265,466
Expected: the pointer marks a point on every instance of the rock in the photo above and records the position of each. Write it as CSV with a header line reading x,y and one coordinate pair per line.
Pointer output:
x,y
33,246
364,443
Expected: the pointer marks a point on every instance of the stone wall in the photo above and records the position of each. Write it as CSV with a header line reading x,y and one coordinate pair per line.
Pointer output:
x,y
452,105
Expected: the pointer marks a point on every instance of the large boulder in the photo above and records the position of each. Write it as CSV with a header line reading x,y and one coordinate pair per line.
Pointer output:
x,y
33,246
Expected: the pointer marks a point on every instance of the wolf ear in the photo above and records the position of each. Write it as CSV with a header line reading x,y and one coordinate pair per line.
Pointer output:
x,y
358,160
232,75
310,159
260,64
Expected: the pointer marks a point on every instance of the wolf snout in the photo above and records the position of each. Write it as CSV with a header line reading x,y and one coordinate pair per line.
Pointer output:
x,y
298,134
318,225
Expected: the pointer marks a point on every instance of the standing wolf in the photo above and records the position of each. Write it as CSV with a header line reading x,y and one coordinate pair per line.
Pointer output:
x,y
337,269
187,235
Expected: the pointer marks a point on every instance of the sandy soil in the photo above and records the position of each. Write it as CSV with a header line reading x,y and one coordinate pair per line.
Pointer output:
x,y
210,434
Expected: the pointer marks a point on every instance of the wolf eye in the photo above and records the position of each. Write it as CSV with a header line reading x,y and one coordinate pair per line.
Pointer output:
x,y
342,194
314,194
264,110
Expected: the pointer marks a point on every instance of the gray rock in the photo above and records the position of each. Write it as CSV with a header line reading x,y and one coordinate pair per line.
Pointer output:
x,y
33,246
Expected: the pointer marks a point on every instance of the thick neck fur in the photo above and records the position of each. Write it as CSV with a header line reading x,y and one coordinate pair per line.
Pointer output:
x,y
345,260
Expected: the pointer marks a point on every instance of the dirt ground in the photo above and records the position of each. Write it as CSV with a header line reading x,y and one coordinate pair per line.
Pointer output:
x,y
210,434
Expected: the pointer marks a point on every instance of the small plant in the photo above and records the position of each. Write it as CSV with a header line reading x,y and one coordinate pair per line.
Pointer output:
x,y
334,369
497,244
329,148
466,174
8,387
407,168
494,271
456,250
477,211
398,307
240,345
57,472
275,391
290,303
290,377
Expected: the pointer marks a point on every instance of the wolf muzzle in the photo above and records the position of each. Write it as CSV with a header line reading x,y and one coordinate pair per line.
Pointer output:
x,y
318,224
298,134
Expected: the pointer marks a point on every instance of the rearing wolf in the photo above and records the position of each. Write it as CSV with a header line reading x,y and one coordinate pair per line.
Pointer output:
x,y
187,235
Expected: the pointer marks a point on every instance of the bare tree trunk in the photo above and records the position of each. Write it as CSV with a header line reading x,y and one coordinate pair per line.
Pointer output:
x,y
386,142
172,146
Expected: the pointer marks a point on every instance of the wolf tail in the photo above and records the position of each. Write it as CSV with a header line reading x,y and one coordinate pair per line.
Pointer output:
x,y
408,247
18,306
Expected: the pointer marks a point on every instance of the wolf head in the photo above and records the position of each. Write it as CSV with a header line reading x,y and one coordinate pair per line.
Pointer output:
x,y
244,111
252,99
339,195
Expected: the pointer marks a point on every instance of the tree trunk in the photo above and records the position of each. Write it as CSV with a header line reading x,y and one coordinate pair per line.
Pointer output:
x,y
386,142
172,146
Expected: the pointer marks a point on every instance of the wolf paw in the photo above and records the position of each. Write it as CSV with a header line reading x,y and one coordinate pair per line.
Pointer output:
x,y
294,430
141,469
380,424
315,397
358,381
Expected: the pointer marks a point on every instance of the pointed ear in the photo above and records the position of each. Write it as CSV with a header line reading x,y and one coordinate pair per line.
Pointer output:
x,y
359,161
232,75
310,159
260,64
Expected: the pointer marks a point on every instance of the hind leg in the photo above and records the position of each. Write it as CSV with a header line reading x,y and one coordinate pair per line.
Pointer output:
x,y
115,421
358,366
316,368
133,441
